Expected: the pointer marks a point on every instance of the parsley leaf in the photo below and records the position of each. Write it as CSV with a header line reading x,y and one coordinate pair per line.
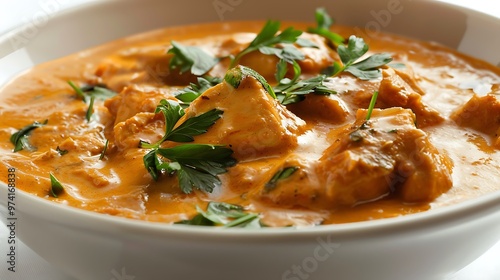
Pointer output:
x,y
56,188
282,174
195,165
172,112
194,90
20,138
267,39
224,214
86,92
199,165
324,22
294,90
191,58
235,75
365,69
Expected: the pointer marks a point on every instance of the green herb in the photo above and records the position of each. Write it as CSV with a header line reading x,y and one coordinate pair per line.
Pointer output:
x,y
61,152
90,109
191,58
224,214
365,69
56,188
194,90
172,112
372,105
356,136
235,75
324,22
282,174
195,165
266,42
20,138
294,90
98,91
103,153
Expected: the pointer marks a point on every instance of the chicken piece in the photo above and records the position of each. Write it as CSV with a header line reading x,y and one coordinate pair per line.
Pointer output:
x,y
481,114
399,89
315,59
132,101
369,160
149,127
253,123
330,109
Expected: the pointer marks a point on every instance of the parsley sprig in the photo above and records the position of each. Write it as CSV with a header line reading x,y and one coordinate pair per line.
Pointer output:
x,y
267,40
20,138
224,214
194,90
191,58
366,69
324,22
290,91
195,165
89,93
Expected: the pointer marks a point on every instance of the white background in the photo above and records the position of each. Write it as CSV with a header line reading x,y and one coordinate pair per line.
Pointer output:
x,y
32,267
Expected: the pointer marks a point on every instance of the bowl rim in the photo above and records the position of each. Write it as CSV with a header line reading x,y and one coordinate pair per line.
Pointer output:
x,y
450,214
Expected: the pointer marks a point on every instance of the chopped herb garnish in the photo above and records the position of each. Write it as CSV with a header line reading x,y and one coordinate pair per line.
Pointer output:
x,y
194,90
349,55
267,39
172,112
324,22
373,101
191,58
61,152
224,214
90,109
103,153
20,138
196,165
282,174
86,92
235,75
56,188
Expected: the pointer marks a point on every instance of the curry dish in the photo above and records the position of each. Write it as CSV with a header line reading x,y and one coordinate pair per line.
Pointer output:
x,y
146,133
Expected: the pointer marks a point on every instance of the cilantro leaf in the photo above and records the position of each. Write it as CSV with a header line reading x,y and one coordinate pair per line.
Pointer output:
x,y
267,39
196,165
173,112
194,126
324,22
98,91
56,188
365,69
191,58
282,174
193,91
235,75
293,91
20,138
224,214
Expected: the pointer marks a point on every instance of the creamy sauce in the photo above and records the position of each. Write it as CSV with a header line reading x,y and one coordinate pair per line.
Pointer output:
x,y
442,81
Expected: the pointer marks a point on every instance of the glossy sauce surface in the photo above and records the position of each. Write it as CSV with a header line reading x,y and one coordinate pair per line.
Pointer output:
x,y
452,98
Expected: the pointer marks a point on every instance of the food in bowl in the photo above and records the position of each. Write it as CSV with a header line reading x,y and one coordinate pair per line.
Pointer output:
x,y
240,124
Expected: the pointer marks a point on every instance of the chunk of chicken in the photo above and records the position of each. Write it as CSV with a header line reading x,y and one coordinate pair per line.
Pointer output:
x,y
132,101
369,160
253,123
481,114
399,89
330,109
149,127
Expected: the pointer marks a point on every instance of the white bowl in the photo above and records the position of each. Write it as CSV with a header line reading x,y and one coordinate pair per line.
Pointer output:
x,y
87,245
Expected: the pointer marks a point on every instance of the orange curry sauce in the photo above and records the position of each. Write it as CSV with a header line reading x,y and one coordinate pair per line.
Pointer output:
x,y
432,141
